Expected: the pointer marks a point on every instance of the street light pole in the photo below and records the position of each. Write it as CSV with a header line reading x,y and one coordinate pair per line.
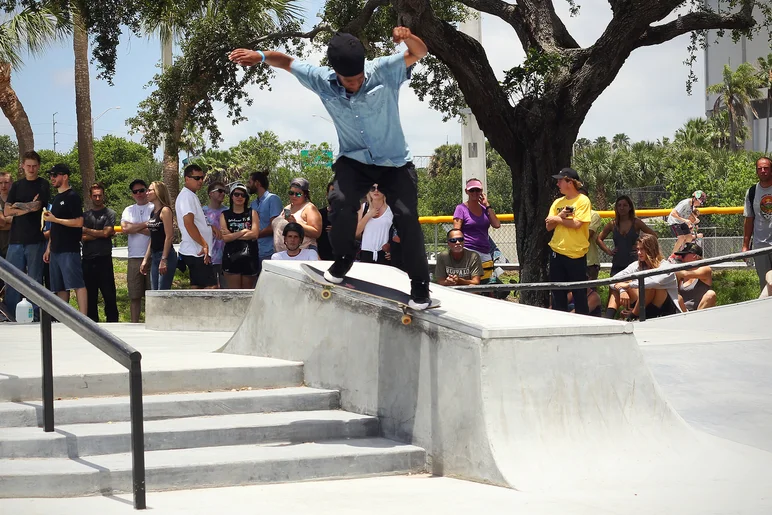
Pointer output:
x,y
93,120
54,117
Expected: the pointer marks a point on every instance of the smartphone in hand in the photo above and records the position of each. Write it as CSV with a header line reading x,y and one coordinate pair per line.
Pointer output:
x,y
286,213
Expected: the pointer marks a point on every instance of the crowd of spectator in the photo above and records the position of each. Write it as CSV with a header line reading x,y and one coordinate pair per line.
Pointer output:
x,y
223,246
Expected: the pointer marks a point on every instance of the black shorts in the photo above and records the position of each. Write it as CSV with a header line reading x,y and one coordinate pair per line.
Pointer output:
x,y
243,266
681,229
201,275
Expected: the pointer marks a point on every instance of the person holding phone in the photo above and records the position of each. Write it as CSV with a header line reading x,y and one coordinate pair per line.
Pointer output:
x,y
301,211
569,217
473,218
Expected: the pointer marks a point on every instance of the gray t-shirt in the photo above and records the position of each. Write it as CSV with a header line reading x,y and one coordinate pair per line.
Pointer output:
x,y
465,268
762,216
684,210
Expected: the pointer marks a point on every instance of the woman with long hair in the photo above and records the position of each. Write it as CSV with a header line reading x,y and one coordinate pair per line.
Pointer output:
x,y
301,211
161,258
625,229
374,228
240,226
661,290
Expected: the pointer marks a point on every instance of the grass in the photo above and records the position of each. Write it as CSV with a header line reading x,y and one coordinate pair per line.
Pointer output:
x,y
120,266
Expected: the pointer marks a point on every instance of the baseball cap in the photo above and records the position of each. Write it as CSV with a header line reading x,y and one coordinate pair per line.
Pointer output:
x,y
59,169
701,195
567,173
690,248
239,186
346,54
300,182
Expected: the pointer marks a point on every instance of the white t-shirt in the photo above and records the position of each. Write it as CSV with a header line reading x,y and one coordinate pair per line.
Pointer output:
x,y
762,216
187,202
305,255
667,282
136,214
684,210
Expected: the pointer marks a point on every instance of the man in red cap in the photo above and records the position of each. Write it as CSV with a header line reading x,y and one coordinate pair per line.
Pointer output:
x,y
362,98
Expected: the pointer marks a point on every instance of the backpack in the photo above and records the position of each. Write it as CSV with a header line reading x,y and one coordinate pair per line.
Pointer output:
x,y
751,196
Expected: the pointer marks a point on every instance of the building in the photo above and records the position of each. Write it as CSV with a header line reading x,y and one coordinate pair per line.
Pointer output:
x,y
722,51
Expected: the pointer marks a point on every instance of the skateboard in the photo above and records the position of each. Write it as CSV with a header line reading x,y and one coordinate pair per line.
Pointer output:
x,y
397,297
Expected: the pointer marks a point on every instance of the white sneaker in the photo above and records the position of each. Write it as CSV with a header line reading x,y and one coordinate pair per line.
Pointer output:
x,y
418,306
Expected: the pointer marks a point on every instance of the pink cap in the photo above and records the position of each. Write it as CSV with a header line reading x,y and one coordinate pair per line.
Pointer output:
x,y
474,183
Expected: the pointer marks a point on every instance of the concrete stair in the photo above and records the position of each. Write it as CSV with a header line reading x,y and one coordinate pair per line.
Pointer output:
x,y
262,431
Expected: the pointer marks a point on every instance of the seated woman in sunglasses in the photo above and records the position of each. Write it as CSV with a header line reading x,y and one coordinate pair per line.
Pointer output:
x,y
301,211
458,266
374,228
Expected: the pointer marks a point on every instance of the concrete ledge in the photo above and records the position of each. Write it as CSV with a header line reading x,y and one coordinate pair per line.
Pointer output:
x,y
181,310
494,391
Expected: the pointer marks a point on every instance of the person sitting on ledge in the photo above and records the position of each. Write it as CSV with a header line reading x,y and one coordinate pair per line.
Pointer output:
x,y
694,286
661,290
457,265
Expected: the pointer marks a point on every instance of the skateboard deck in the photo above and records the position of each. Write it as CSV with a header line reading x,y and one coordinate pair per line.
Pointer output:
x,y
397,297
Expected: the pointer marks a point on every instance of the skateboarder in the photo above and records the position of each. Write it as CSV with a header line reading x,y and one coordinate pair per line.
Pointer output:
x,y
362,98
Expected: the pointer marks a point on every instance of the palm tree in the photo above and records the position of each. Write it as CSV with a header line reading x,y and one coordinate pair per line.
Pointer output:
x,y
27,30
696,132
620,141
735,93
765,75
83,105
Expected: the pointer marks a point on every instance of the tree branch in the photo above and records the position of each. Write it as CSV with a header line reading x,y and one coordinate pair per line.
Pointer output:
x,y
311,34
357,25
508,13
743,19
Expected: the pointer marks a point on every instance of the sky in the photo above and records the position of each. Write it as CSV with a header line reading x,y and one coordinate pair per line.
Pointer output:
x,y
647,101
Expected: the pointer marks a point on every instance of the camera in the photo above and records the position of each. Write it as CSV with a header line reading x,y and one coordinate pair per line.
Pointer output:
x,y
570,209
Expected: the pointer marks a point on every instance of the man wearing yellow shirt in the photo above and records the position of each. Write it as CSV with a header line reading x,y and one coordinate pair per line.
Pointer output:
x,y
569,217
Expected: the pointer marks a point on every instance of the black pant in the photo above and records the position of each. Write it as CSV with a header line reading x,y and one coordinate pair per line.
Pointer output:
x,y
379,257
400,186
566,269
98,276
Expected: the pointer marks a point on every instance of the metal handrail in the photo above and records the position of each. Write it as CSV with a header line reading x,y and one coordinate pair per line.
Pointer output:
x,y
103,340
641,276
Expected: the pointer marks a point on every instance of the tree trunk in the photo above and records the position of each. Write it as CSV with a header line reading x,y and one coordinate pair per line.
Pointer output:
x,y
542,147
83,108
732,133
171,169
14,111
766,138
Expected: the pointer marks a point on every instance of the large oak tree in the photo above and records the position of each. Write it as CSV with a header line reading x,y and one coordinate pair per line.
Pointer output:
x,y
555,87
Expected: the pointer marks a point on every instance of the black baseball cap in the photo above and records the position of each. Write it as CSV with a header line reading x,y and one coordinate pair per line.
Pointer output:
x,y
59,169
567,173
690,248
135,182
346,55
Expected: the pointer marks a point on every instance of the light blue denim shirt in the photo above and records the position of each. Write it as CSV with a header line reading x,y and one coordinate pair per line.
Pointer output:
x,y
368,125
268,206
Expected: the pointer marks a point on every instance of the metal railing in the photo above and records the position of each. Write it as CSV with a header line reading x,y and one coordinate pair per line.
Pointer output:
x,y
641,276
100,338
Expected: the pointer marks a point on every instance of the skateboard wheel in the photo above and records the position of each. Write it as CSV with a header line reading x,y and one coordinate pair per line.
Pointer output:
x,y
326,294
407,319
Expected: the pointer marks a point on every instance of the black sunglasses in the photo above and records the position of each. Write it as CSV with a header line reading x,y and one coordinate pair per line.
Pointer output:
x,y
295,193
474,190
374,188
52,175
138,191
460,239
196,177
219,191
239,194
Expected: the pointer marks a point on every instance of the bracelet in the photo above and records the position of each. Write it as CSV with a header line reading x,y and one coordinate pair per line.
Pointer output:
x,y
163,259
262,55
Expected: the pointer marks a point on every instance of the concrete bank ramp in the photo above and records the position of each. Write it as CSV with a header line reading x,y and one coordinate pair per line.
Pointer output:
x,y
494,391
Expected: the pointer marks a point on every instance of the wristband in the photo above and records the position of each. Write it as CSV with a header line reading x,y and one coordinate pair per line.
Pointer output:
x,y
262,55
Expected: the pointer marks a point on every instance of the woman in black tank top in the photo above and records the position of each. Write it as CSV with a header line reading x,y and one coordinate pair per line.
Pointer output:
x,y
625,228
240,226
160,258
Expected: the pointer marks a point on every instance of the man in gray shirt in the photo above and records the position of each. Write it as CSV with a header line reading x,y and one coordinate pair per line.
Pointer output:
x,y
758,218
458,266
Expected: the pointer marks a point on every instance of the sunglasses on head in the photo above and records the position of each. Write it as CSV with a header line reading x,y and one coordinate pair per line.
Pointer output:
x,y
460,239
138,191
239,194
295,193
374,188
